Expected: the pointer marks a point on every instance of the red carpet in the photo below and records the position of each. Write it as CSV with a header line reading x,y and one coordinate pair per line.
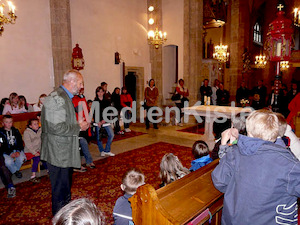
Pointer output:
x,y
198,129
33,202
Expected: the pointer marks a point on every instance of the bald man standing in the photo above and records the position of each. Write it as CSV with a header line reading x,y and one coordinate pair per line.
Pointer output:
x,y
60,145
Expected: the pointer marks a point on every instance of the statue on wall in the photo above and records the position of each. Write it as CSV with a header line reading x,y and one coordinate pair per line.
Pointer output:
x,y
246,61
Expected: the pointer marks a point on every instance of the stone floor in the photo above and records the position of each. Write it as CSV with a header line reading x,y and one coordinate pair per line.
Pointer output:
x,y
167,134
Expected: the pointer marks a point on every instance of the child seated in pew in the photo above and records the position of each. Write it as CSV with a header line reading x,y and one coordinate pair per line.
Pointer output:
x,y
230,136
200,151
13,151
78,212
171,169
287,137
122,213
32,140
260,178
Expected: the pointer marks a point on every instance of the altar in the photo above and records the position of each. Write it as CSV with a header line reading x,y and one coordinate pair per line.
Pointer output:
x,y
214,113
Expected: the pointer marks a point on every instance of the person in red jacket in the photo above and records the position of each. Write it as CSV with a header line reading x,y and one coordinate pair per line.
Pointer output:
x,y
294,107
80,103
126,102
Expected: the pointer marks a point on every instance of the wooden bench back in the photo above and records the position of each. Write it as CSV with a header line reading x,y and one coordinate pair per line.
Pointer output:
x,y
297,124
179,202
21,120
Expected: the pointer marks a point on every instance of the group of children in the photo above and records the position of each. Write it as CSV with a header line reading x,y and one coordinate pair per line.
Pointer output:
x,y
12,151
259,171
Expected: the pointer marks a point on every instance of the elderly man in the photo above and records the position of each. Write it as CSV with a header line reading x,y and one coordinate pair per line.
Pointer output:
x,y
60,145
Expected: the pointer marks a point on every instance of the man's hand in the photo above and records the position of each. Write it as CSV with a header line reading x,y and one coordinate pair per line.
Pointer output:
x,y
84,125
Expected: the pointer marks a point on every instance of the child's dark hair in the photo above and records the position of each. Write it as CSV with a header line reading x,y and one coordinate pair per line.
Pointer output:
x,y
200,149
132,179
7,117
218,128
31,120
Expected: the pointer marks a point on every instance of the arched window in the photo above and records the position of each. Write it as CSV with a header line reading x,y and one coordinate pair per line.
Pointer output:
x,y
257,37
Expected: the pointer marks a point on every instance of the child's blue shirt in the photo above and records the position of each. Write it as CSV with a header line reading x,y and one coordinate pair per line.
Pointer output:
x,y
198,163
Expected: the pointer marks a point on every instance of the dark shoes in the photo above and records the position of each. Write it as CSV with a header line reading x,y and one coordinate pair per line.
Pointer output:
x,y
18,174
11,192
92,165
35,180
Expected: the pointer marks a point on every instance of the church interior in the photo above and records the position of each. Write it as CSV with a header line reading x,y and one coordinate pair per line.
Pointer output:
x,y
127,43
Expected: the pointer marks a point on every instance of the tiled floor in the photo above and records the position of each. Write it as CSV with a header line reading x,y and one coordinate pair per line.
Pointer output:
x,y
164,133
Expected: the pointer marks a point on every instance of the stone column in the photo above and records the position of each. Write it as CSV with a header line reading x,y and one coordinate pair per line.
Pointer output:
x,y
156,54
239,39
193,31
61,38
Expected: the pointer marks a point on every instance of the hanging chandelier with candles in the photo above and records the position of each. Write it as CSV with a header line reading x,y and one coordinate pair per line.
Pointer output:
x,y
221,53
260,61
11,18
156,38
297,17
284,65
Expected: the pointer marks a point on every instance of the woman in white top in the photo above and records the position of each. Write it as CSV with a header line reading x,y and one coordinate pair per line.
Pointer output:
x,y
214,92
38,106
13,107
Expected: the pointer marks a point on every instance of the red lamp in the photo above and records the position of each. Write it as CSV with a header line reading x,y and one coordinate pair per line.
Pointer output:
x,y
279,39
77,58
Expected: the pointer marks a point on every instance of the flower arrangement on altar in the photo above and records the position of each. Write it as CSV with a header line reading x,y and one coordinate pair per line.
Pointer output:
x,y
244,102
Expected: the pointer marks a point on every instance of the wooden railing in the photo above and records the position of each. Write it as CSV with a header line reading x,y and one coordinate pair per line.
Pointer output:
x,y
191,200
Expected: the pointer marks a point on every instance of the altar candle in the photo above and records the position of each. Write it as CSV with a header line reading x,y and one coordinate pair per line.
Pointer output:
x,y
208,100
205,99
278,50
1,10
13,9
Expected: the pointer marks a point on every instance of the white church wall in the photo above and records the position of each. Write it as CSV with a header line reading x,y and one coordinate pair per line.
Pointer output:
x,y
25,51
102,28
173,15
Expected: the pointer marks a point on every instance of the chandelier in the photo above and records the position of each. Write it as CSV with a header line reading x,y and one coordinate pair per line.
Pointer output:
x,y
156,38
221,53
11,15
284,65
260,61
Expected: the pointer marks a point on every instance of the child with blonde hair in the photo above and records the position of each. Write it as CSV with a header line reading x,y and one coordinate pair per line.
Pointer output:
x,y
132,179
259,178
171,169
78,212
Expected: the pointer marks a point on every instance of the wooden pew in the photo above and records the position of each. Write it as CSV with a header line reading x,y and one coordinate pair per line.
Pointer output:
x,y
20,122
190,200
297,124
